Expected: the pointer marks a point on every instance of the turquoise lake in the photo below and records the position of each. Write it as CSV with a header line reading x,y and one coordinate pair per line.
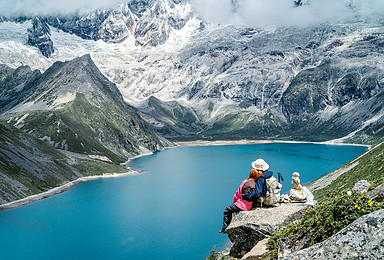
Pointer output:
x,y
172,211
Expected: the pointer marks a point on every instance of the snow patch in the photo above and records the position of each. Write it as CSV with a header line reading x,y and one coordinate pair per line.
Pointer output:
x,y
29,106
20,120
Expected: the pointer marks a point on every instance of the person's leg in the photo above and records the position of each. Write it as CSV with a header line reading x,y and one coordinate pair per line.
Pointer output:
x,y
228,216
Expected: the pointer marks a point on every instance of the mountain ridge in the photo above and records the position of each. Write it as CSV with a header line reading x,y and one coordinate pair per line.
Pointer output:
x,y
74,107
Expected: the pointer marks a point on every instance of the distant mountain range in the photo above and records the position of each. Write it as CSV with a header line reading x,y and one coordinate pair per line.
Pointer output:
x,y
195,80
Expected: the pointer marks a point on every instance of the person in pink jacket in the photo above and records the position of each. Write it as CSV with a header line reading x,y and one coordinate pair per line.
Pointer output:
x,y
246,187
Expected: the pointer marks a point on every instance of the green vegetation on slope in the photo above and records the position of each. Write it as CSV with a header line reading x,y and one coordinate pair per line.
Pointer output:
x,y
336,209
29,166
323,221
246,125
369,166
85,128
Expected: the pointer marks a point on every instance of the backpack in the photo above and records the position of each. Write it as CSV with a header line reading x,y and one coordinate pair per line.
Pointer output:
x,y
272,195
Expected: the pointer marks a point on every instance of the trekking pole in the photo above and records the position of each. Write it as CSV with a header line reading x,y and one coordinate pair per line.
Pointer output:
x,y
280,177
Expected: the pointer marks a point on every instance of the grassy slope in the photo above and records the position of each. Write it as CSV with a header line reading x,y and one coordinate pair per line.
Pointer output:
x,y
369,166
28,166
86,128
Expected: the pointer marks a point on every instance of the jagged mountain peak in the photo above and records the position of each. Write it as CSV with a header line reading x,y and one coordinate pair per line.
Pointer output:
x,y
60,84
39,36
74,107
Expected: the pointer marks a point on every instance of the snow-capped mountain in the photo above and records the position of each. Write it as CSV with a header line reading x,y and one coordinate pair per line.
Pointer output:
x,y
315,82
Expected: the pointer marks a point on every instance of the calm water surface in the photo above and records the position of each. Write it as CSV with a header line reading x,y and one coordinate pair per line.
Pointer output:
x,y
173,211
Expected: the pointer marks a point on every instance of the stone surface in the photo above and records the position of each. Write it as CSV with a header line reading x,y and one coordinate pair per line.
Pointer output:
x,y
361,186
376,191
287,246
39,36
249,227
256,252
363,239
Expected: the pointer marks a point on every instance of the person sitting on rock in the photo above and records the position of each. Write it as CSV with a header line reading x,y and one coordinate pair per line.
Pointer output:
x,y
246,187
260,184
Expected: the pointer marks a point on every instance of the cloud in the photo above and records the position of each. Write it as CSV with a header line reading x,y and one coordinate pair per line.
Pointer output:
x,y
254,13
15,8
271,13
215,11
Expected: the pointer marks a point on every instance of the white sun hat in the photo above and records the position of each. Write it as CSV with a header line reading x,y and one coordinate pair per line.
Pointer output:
x,y
260,164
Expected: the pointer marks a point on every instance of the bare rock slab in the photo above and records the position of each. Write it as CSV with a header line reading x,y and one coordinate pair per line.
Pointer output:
x,y
257,252
247,228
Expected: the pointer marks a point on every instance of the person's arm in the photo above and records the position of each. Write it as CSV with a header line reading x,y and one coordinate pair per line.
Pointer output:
x,y
267,175
252,196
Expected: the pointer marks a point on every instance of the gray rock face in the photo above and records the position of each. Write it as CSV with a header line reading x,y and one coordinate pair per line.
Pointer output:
x,y
249,227
16,85
363,239
39,36
361,186
150,22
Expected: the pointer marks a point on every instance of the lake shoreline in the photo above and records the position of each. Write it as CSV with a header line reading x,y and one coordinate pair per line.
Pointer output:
x,y
246,141
132,172
65,187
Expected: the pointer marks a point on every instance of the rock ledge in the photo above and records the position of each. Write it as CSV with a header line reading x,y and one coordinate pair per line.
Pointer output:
x,y
249,227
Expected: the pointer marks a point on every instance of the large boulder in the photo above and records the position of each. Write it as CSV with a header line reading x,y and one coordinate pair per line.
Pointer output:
x,y
247,228
363,239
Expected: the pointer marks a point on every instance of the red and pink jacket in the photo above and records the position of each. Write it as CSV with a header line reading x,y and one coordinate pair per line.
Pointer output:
x,y
238,201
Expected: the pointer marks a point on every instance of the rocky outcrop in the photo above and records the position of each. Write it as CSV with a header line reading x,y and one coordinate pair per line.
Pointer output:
x,y
361,186
249,227
363,239
376,192
150,22
39,36
257,252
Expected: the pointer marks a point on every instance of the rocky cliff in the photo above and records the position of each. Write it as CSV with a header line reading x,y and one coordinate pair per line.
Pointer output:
x,y
39,36
248,228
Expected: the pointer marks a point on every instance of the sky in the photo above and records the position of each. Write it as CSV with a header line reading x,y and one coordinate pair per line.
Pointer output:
x,y
254,13
51,7
264,13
